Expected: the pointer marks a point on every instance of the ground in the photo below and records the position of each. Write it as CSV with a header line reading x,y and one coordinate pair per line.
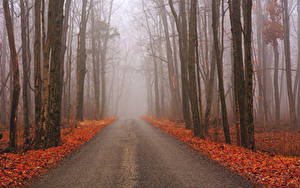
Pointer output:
x,y
131,153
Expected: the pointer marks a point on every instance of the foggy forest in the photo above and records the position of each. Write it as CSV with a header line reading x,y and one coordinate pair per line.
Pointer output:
x,y
150,93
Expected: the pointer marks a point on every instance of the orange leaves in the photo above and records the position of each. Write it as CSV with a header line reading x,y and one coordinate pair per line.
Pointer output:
x,y
18,169
273,26
260,167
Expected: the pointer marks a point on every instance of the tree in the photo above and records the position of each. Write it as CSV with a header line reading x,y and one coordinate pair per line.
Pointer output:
x,y
298,97
15,74
26,63
81,62
181,25
239,79
197,129
95,59
103,60
273,31
3,80
37,73
171,70
249,129
215,26
55,81
287,51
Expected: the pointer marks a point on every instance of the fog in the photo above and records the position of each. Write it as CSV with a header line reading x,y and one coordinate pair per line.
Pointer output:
x,y
136,52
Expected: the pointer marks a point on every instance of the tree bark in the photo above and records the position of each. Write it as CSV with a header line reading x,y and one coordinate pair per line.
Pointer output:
x,y
24,21
298,73
81,63
276,88
172,78
55,81
181,25
247,14
15,74
2,78
103,60
287,51
239,80
197,129
37,72
215,26
95,60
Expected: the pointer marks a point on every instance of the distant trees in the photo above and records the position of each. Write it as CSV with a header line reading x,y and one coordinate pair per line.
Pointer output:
x,y
273,31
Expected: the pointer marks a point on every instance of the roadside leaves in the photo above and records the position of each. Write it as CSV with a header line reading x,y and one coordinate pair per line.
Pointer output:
x,y
259,167
19,169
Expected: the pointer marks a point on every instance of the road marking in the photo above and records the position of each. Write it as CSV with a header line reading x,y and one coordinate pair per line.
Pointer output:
x,y
129,166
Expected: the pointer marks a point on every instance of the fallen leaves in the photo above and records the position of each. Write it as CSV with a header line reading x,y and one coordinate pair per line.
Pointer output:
x,y
259,167
19,169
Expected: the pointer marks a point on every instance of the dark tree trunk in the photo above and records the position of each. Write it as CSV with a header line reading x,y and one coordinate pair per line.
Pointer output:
x,y
37,72
81,63
287,51
15,74
24,21
215,26
276,88
239,80
171,71
55,81
64,47
247,14
181,25
197,129
298,73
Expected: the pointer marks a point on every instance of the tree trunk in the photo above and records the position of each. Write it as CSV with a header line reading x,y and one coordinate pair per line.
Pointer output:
x,y
171,71
15,74
81,63
95,60
181,25
64,45
239,80
103,64
287,52
2,78
37,72
215,26
298,73
276,88
197,129
24,20
247,14
259,26
55,81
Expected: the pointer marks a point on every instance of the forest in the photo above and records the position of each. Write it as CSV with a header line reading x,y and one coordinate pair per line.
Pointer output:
x,y
222,76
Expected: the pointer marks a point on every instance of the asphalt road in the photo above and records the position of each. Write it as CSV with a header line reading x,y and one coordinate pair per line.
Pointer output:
x,y
131,153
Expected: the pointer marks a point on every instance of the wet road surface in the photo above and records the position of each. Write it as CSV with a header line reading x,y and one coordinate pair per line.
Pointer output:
x,y
131,153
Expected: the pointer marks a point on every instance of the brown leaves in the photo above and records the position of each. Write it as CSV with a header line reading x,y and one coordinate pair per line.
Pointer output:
x,y
260,167
19,169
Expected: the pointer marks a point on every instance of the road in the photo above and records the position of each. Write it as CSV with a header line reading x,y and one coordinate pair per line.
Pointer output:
x,y
131,153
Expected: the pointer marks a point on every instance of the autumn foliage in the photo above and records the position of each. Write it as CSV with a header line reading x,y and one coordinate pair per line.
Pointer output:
x,y
259,167
273,26
19,169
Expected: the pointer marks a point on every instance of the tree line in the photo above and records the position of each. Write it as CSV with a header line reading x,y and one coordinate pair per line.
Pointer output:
x,y
223,64
48,31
